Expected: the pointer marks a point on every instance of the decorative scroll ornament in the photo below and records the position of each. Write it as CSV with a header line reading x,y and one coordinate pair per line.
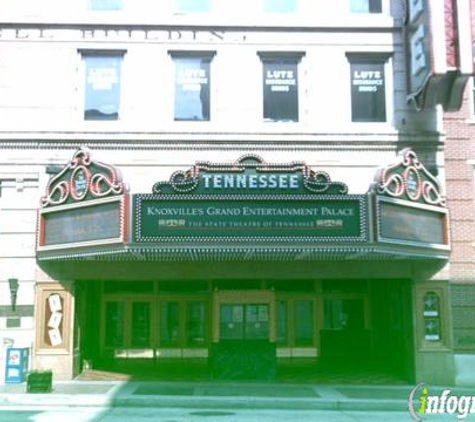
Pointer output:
x,y
250,174
408,179
83,179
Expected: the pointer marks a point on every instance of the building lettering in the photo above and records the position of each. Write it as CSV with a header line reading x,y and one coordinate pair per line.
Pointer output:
x,y
337,212
162,35
246,211
418,57
253,181
367,74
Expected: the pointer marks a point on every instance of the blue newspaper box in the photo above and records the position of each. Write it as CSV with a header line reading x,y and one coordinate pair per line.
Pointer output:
x,y
16,366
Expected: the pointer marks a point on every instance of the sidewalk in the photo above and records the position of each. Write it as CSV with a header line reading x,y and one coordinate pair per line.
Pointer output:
x,y
216,395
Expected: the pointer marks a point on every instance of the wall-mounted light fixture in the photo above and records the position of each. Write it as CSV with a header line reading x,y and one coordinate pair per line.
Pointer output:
x,y
13,283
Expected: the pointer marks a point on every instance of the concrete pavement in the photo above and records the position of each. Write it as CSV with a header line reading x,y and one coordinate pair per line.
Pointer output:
x,y
216,395
131,414
211,395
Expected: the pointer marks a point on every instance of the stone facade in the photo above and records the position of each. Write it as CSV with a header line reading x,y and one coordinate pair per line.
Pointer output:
x,y
42,89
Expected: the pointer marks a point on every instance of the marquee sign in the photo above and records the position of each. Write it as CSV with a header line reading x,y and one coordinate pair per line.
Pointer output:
x,y
85,205
83,179
95,223
439,61
250,200
248,209
408,179
409,205
250,175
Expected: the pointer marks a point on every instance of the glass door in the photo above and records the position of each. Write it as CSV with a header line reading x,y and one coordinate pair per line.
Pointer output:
x,y
182,326
114,324
126,328
243,334
244,321
140,325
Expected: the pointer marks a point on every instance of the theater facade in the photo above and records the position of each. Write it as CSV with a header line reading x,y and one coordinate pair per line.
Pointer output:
x,y
210,192
244,267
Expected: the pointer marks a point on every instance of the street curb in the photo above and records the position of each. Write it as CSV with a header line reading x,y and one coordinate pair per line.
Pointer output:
x,y
200,402
258,403
78,400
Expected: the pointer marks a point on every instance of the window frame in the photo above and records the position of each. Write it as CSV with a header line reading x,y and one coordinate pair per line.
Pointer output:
x,y
202,56
290,299
282,58
89,53
444,342
384,60
183,318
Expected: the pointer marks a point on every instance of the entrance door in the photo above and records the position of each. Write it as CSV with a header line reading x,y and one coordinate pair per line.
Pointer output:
x,y
244,337
127,328
244,321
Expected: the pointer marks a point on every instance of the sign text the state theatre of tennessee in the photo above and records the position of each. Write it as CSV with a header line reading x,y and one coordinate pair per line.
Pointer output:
x,y
162,219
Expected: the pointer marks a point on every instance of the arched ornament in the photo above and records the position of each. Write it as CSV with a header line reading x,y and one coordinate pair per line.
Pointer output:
x,y
408,179
196,178
83,179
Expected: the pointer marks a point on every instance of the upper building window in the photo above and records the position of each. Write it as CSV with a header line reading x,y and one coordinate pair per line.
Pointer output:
x,y
368,97
192,5
104,4
280,86
280,6
192,87
102,86
365,6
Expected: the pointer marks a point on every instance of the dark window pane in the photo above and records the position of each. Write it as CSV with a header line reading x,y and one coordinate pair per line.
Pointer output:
x,y
231,325
432,329
368,100
365,6
196,323
340,314
104,4
115,324
303,323
169,323
192,5
281,322
257,321
280,90
284,6
102,88
192,89
431,304
140,324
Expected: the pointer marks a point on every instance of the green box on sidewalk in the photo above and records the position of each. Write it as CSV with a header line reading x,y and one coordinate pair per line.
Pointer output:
x,y
39,382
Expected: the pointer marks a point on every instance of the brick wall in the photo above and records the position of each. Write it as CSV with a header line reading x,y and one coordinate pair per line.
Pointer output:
x,y
459,149
463,316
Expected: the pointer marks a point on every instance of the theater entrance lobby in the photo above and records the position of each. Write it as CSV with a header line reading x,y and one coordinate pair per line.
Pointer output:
x,y
300,330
